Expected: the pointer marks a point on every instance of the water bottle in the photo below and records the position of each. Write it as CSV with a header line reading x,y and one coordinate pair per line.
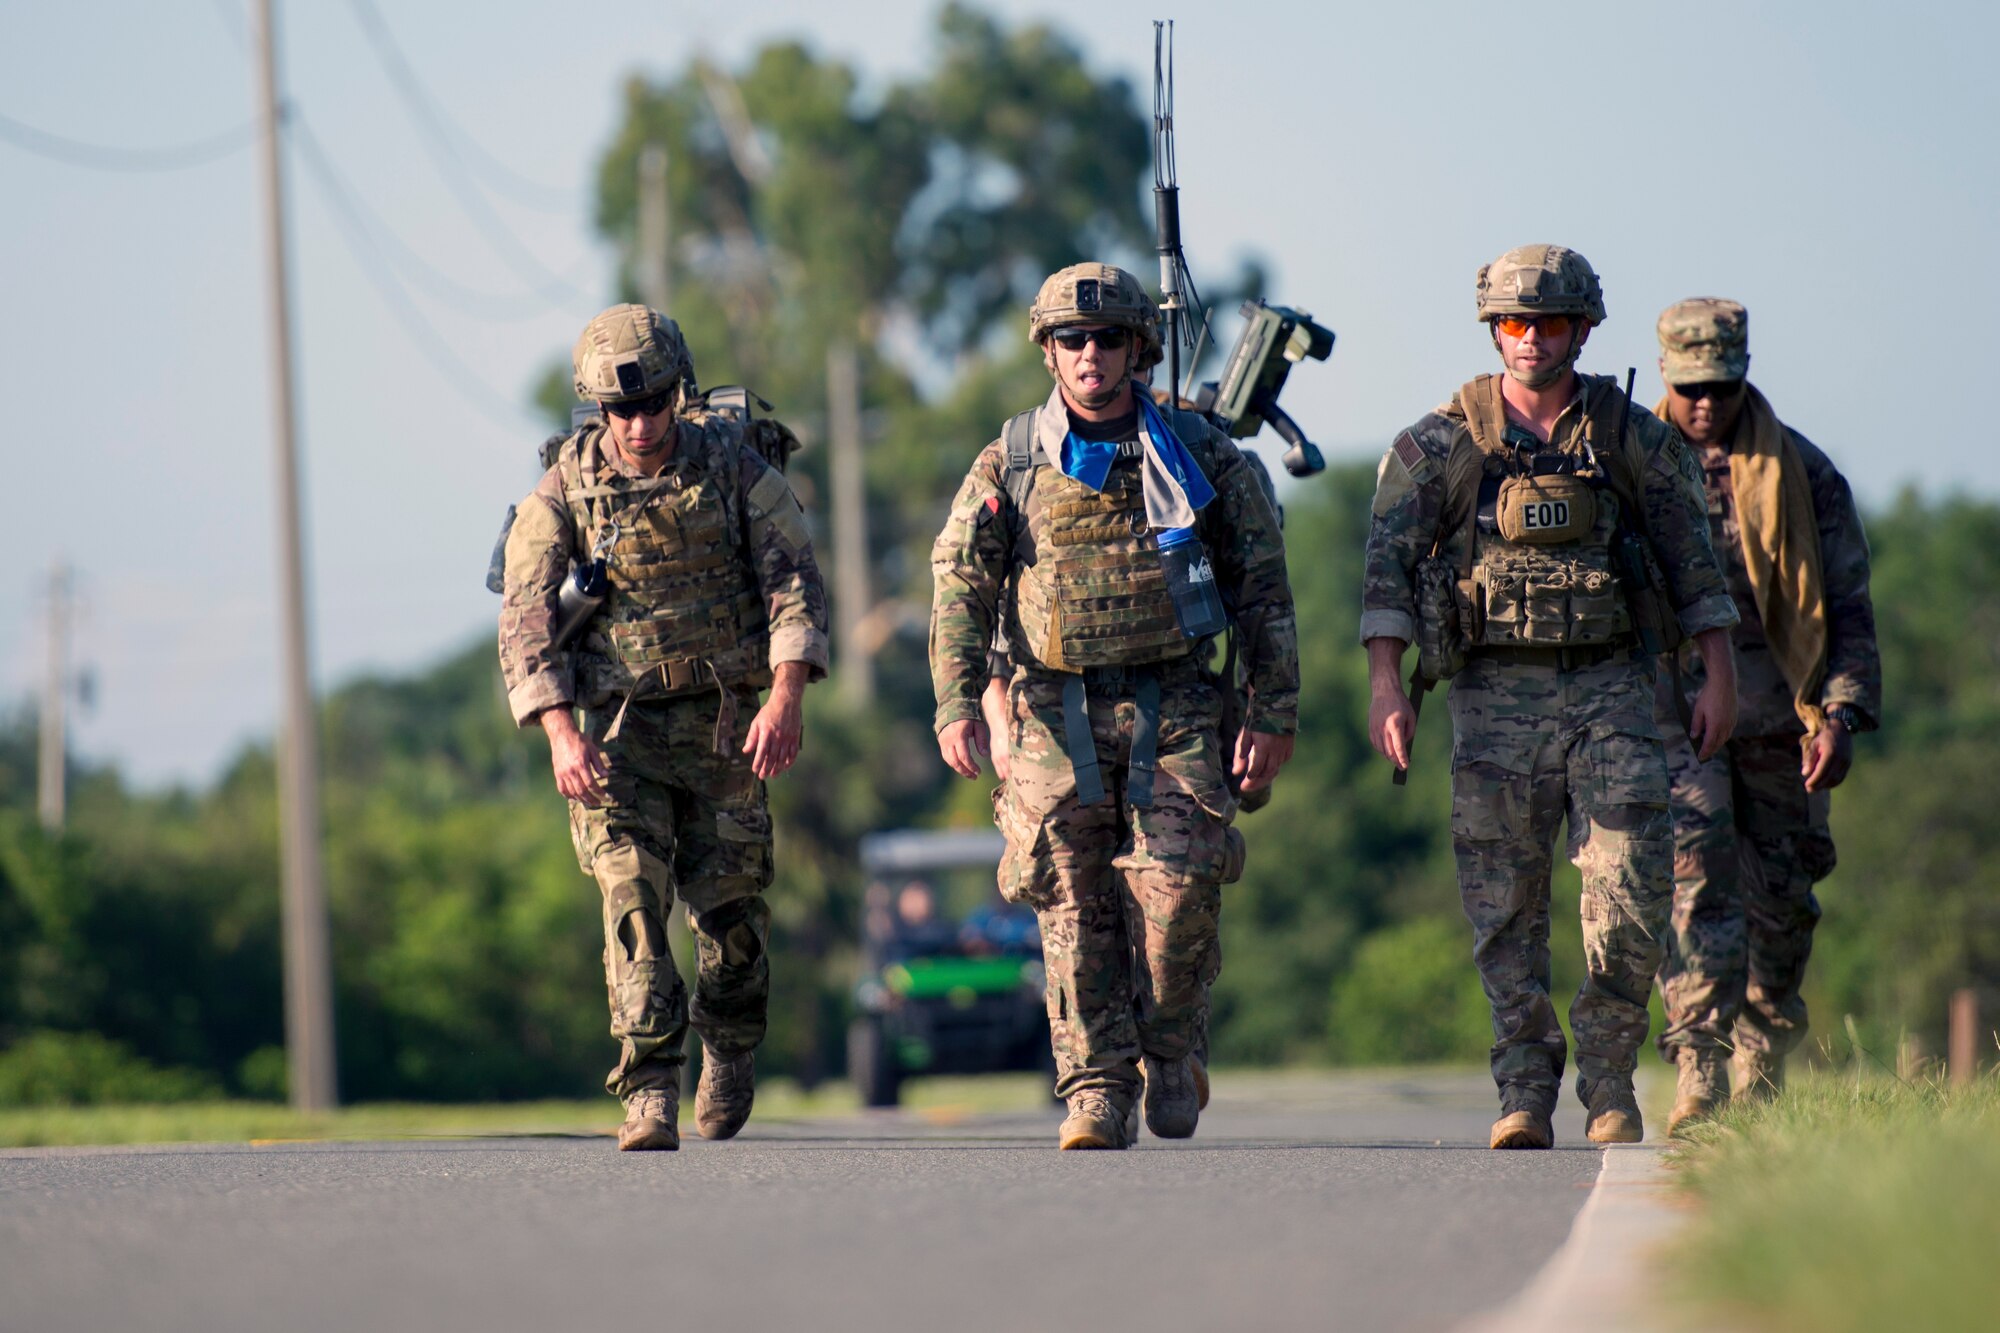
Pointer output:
x,y
582,593
1191,581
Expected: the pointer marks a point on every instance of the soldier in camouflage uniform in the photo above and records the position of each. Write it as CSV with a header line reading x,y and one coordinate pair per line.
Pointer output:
x,y
713,594
1117,804
1535,535
1750,822
993,710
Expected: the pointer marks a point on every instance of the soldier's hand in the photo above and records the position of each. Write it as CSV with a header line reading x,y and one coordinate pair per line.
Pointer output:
x,y
1828,756
1259,756
579,763
1714,717
1392,722
962,742
776,732
993,704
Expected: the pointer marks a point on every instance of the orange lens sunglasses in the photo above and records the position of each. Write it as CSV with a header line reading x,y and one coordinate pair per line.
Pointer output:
x,y
1517,326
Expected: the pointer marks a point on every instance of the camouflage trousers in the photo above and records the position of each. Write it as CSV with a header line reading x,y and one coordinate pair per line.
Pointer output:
x,y
683,819
1749,844
1533,745
1128,896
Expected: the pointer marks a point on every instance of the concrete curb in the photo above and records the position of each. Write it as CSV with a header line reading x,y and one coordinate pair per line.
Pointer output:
x,y
1602,1276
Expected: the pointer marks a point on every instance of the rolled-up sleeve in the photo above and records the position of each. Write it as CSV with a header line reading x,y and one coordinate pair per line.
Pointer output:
x,y
787,571
538,675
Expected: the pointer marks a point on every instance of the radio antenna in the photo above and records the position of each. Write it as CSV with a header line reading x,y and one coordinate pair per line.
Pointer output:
x,y
1178,296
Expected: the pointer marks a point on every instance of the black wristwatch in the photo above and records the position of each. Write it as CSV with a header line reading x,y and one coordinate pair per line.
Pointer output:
x,y
1845,715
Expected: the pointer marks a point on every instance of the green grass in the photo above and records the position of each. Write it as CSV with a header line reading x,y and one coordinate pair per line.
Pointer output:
x,y
1848,1202
240,1122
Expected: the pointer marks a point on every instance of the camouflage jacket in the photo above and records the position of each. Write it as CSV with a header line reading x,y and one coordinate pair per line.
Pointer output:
x,y
1853,664
545,541
1409,507
975,558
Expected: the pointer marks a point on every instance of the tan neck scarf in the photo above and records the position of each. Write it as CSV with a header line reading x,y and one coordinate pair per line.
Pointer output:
x,y
1774,513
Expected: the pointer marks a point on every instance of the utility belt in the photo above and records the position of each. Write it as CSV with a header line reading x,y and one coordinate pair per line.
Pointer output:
x,y
660,682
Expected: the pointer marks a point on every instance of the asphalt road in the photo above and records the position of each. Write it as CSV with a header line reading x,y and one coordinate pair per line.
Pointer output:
x,y
1353,1202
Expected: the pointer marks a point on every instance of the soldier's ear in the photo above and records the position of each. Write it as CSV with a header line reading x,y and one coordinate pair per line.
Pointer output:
x,y
1583,329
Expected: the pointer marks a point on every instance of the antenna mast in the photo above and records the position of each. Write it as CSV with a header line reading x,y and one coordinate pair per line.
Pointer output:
x,y
1177,289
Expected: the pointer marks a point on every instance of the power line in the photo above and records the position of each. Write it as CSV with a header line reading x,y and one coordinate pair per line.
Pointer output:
x,y
530,269
492,307
449,134
430,343
556,291
101,157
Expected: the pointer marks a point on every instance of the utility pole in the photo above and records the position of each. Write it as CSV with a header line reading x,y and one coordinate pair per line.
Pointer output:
x,y
656,232
52,772
850,523
308,965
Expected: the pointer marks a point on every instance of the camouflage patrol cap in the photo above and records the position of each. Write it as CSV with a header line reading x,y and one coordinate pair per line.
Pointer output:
x,y
1100,294
630,351
1539,280
1704,339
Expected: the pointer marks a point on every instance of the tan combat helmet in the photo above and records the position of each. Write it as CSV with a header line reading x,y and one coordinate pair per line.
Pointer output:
x,y
1540,280
630,351
1101,294
1704,340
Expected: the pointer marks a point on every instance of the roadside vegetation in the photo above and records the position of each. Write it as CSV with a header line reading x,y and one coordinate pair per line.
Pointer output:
x,y
1849,1203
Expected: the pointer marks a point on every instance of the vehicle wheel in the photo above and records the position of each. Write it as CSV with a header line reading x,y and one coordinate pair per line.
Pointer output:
x,y
871,1063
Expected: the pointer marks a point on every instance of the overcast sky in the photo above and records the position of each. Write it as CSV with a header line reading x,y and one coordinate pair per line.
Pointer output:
x,y
1832,165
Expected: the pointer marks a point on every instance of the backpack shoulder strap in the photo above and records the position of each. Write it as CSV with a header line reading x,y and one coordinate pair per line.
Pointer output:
x,y
1019,437
1485,413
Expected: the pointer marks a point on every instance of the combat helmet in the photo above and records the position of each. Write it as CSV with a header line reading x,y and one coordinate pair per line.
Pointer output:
x,y
1101,294
630,351
1539,280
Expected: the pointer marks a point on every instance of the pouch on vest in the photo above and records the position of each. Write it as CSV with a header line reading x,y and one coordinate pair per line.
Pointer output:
x,y
1442,640
1546,510
1548,603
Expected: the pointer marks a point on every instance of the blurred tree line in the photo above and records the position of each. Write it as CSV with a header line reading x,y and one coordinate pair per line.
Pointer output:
x,y
139,953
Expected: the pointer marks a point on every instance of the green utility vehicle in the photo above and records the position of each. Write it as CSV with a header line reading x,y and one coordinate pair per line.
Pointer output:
x,y
938,996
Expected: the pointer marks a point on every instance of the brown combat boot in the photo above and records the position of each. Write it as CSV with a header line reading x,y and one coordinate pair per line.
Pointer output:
x,y
1198,1069
1614,1116
650,1116
1173,1098
1756,1075
1094,1122
722,1100
1701,1088
1522,1129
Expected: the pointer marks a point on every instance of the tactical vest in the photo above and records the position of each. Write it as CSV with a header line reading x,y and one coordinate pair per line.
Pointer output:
x,y
1090,590
684,604
1539,570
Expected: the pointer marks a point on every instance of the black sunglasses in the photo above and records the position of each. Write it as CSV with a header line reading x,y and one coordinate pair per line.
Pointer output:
x,y
635,407
1719,390
1074,340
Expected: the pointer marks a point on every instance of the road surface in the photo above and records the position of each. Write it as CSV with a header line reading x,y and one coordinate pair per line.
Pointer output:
x,y
1307,1201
